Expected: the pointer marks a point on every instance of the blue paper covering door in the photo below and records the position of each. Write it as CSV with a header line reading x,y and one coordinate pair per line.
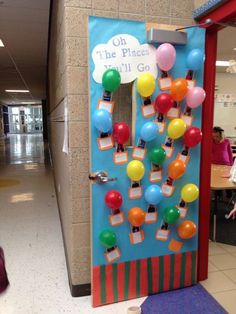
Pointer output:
x,y
152,265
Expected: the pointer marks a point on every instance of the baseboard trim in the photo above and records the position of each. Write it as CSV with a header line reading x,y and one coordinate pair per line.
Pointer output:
x,y
75,290
80,290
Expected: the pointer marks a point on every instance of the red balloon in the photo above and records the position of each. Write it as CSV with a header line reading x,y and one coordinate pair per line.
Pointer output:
x,y
121,132
113,199
192,136
163,103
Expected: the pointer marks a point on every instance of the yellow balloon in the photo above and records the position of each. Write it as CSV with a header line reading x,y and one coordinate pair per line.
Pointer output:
x,y
189,193
146,84
135,170
176,128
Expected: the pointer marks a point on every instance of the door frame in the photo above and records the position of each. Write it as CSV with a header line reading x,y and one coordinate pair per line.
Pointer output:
x,y
226,12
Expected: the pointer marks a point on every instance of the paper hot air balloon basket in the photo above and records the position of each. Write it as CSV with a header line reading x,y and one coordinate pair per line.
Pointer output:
x,y
155,176
183,211
139,153
113,255
120,158
161,126
184,158
136,237
148,111
105,143
150,218
175,246
173,113
136,192
191,83
117,219
162,235
167,190
107,105
169,150
187,119
165,83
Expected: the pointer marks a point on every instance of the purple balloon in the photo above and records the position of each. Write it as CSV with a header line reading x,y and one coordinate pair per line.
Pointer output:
x,y
165,56
195,97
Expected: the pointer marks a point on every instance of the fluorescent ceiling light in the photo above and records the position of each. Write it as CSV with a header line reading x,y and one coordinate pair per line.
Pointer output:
x,y
222,63
17,90
1,43
29,102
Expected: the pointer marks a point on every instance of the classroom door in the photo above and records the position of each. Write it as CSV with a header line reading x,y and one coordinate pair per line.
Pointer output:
x,y
144,174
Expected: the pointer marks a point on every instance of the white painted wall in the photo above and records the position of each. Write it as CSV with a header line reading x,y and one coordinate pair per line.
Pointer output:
x,y
226,116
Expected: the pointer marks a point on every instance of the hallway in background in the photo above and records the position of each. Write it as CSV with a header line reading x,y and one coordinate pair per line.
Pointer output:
x,y
30,228
30,234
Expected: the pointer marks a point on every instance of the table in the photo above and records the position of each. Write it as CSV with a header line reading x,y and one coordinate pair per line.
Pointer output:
x,y
219,183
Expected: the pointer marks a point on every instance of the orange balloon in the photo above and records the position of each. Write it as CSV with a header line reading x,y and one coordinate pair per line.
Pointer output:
x,y
136,216
179,89
176,169
187,229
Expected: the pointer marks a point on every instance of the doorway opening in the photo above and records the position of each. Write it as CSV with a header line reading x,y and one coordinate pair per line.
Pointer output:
x,y
214,20
224,140
25,119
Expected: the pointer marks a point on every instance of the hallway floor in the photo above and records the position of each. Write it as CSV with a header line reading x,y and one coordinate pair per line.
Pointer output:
x,y
30,235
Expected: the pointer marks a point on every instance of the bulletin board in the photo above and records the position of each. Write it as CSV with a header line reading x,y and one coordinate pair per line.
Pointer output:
x,y
150,266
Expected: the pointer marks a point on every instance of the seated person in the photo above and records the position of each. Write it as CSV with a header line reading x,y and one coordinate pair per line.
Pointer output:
x,y
232,213
221,148
221,151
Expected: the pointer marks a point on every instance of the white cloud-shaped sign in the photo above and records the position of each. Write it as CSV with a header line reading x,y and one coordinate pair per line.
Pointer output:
x,y
124,53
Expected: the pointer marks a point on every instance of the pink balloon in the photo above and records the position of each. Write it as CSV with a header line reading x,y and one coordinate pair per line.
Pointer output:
x,y
165,56
195,97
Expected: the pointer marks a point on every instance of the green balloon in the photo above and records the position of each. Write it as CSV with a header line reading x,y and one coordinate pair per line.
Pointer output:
x,y
157,155
111,80
107,238
171,214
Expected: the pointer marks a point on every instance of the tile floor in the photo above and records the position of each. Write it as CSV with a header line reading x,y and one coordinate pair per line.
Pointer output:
x,y
221,282
31,237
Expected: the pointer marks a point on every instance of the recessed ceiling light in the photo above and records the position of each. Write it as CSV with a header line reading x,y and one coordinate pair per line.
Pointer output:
x,y
17,90
1,43
234,48
222,63
29,102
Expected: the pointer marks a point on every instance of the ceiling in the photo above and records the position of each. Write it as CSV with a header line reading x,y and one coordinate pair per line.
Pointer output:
x,y
226,41
23,60
24,32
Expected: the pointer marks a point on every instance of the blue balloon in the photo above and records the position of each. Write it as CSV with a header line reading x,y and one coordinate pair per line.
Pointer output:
x,y
102,120
153,194
149,131
195,59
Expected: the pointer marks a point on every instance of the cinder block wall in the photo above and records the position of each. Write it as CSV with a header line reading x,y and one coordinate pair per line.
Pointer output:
x,y
68,82
198,3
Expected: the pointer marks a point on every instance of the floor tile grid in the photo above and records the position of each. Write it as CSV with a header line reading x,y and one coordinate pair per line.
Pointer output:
x,y
222,279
